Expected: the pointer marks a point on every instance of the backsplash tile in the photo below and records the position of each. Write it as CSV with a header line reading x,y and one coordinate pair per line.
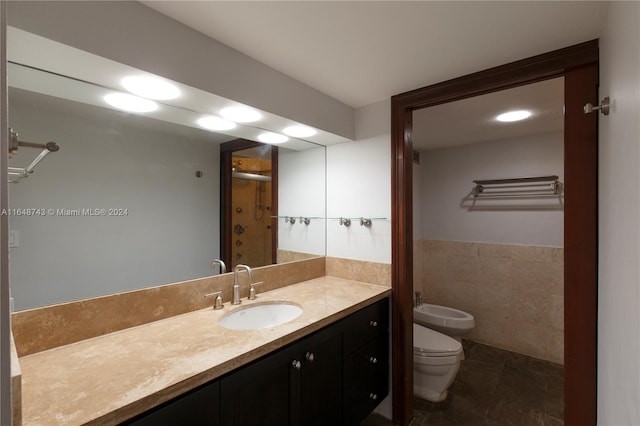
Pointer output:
x,y
515,292
44,328
359,270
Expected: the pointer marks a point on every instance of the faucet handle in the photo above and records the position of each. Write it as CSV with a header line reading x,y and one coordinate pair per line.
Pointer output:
x,y
218,302
252,291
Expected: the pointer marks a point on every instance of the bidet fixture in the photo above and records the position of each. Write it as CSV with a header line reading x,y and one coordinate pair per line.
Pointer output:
x,y
236,286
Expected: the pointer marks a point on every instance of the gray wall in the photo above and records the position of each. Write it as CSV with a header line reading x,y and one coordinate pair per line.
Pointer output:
x,y
171,229
619,212
446,176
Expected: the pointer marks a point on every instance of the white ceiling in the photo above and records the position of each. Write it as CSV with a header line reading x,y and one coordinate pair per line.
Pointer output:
x,y
473,120
360,52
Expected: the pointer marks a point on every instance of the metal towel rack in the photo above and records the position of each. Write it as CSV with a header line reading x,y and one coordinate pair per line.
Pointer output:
x,y
539,186
17,173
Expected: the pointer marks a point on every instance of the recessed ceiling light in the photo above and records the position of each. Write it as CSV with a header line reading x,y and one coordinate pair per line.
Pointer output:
x,y
510,116
300,131
211,122
241,114
150,87
269,137
130,103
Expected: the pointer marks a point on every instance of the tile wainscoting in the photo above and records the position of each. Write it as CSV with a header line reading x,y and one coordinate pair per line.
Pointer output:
x,y
515,292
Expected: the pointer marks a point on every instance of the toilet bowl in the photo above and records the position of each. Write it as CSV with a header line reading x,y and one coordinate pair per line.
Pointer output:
x,y
436,361
450,321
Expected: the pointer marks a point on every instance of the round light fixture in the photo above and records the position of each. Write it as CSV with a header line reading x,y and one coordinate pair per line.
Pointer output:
x,y
510,116
211,122
241,114
130,103
269,137
300,131
150,87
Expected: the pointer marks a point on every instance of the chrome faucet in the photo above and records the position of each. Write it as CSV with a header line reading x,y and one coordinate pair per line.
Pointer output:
x,y
223,267
236,286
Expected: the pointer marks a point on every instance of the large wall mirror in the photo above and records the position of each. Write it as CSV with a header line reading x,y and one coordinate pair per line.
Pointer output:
x,y
132,200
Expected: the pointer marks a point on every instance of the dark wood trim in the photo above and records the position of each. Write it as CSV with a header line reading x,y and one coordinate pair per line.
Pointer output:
x,y
580,246
274,205
580,217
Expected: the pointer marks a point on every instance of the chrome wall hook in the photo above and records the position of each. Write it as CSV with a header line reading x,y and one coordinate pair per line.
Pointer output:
x,y
290,220
345,221
604,107
305,220
365,222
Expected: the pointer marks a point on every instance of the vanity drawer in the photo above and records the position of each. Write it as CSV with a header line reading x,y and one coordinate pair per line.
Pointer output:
x,y
366,380
368,367
367,324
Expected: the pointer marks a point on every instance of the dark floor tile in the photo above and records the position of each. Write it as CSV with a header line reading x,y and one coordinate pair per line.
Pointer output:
x,y
525,389
554,407
478,351
552,421
375,419
532,365
454,417
495,387
505,412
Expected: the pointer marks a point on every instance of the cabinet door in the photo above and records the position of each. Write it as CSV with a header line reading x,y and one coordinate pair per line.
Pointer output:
x,y
200,407
321,378
260,394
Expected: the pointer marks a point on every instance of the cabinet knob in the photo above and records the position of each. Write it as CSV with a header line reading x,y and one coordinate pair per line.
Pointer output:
x,y
296,364
373,323
373,360
310,356
373,396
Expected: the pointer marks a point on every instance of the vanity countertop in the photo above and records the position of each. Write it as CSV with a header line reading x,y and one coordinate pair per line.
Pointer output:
x,y
110,378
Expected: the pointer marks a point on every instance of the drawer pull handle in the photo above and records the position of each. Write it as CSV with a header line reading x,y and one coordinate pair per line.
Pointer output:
x,y
296,364
373,323
373,360
310,356
373,396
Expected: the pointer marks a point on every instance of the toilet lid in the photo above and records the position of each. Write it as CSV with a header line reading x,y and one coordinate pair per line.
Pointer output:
x,y
432,343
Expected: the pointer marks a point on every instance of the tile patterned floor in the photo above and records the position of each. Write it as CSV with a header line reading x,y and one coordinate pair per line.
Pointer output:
x,y
495,387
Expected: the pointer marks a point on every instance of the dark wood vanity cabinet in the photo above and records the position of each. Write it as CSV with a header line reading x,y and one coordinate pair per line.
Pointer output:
x,y
199,407
335,376
366,361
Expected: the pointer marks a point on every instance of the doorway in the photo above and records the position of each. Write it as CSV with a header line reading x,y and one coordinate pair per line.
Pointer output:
x,y
249,188
579,66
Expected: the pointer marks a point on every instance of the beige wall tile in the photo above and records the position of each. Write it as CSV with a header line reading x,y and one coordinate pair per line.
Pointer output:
x,y
39,329
514,292
358,270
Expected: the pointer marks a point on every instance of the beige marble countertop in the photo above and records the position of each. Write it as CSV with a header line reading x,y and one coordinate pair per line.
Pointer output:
x,y
110,378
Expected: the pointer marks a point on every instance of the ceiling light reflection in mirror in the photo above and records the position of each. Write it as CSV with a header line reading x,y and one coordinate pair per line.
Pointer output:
x,y
25,48
27,78
150,87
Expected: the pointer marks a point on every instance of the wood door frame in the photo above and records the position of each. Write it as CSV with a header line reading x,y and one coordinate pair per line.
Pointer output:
x,y
579,65
226,210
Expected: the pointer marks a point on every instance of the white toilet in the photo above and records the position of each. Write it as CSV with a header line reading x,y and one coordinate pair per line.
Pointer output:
x,y
436,360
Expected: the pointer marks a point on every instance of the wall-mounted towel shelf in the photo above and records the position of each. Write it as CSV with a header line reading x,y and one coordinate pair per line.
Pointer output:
x,y
17,173
528,193
345,221
517,187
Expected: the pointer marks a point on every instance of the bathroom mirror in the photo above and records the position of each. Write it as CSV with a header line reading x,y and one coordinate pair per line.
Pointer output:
x,y
130,201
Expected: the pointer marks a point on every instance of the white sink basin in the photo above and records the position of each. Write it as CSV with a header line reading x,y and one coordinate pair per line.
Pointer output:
x,y
260,315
